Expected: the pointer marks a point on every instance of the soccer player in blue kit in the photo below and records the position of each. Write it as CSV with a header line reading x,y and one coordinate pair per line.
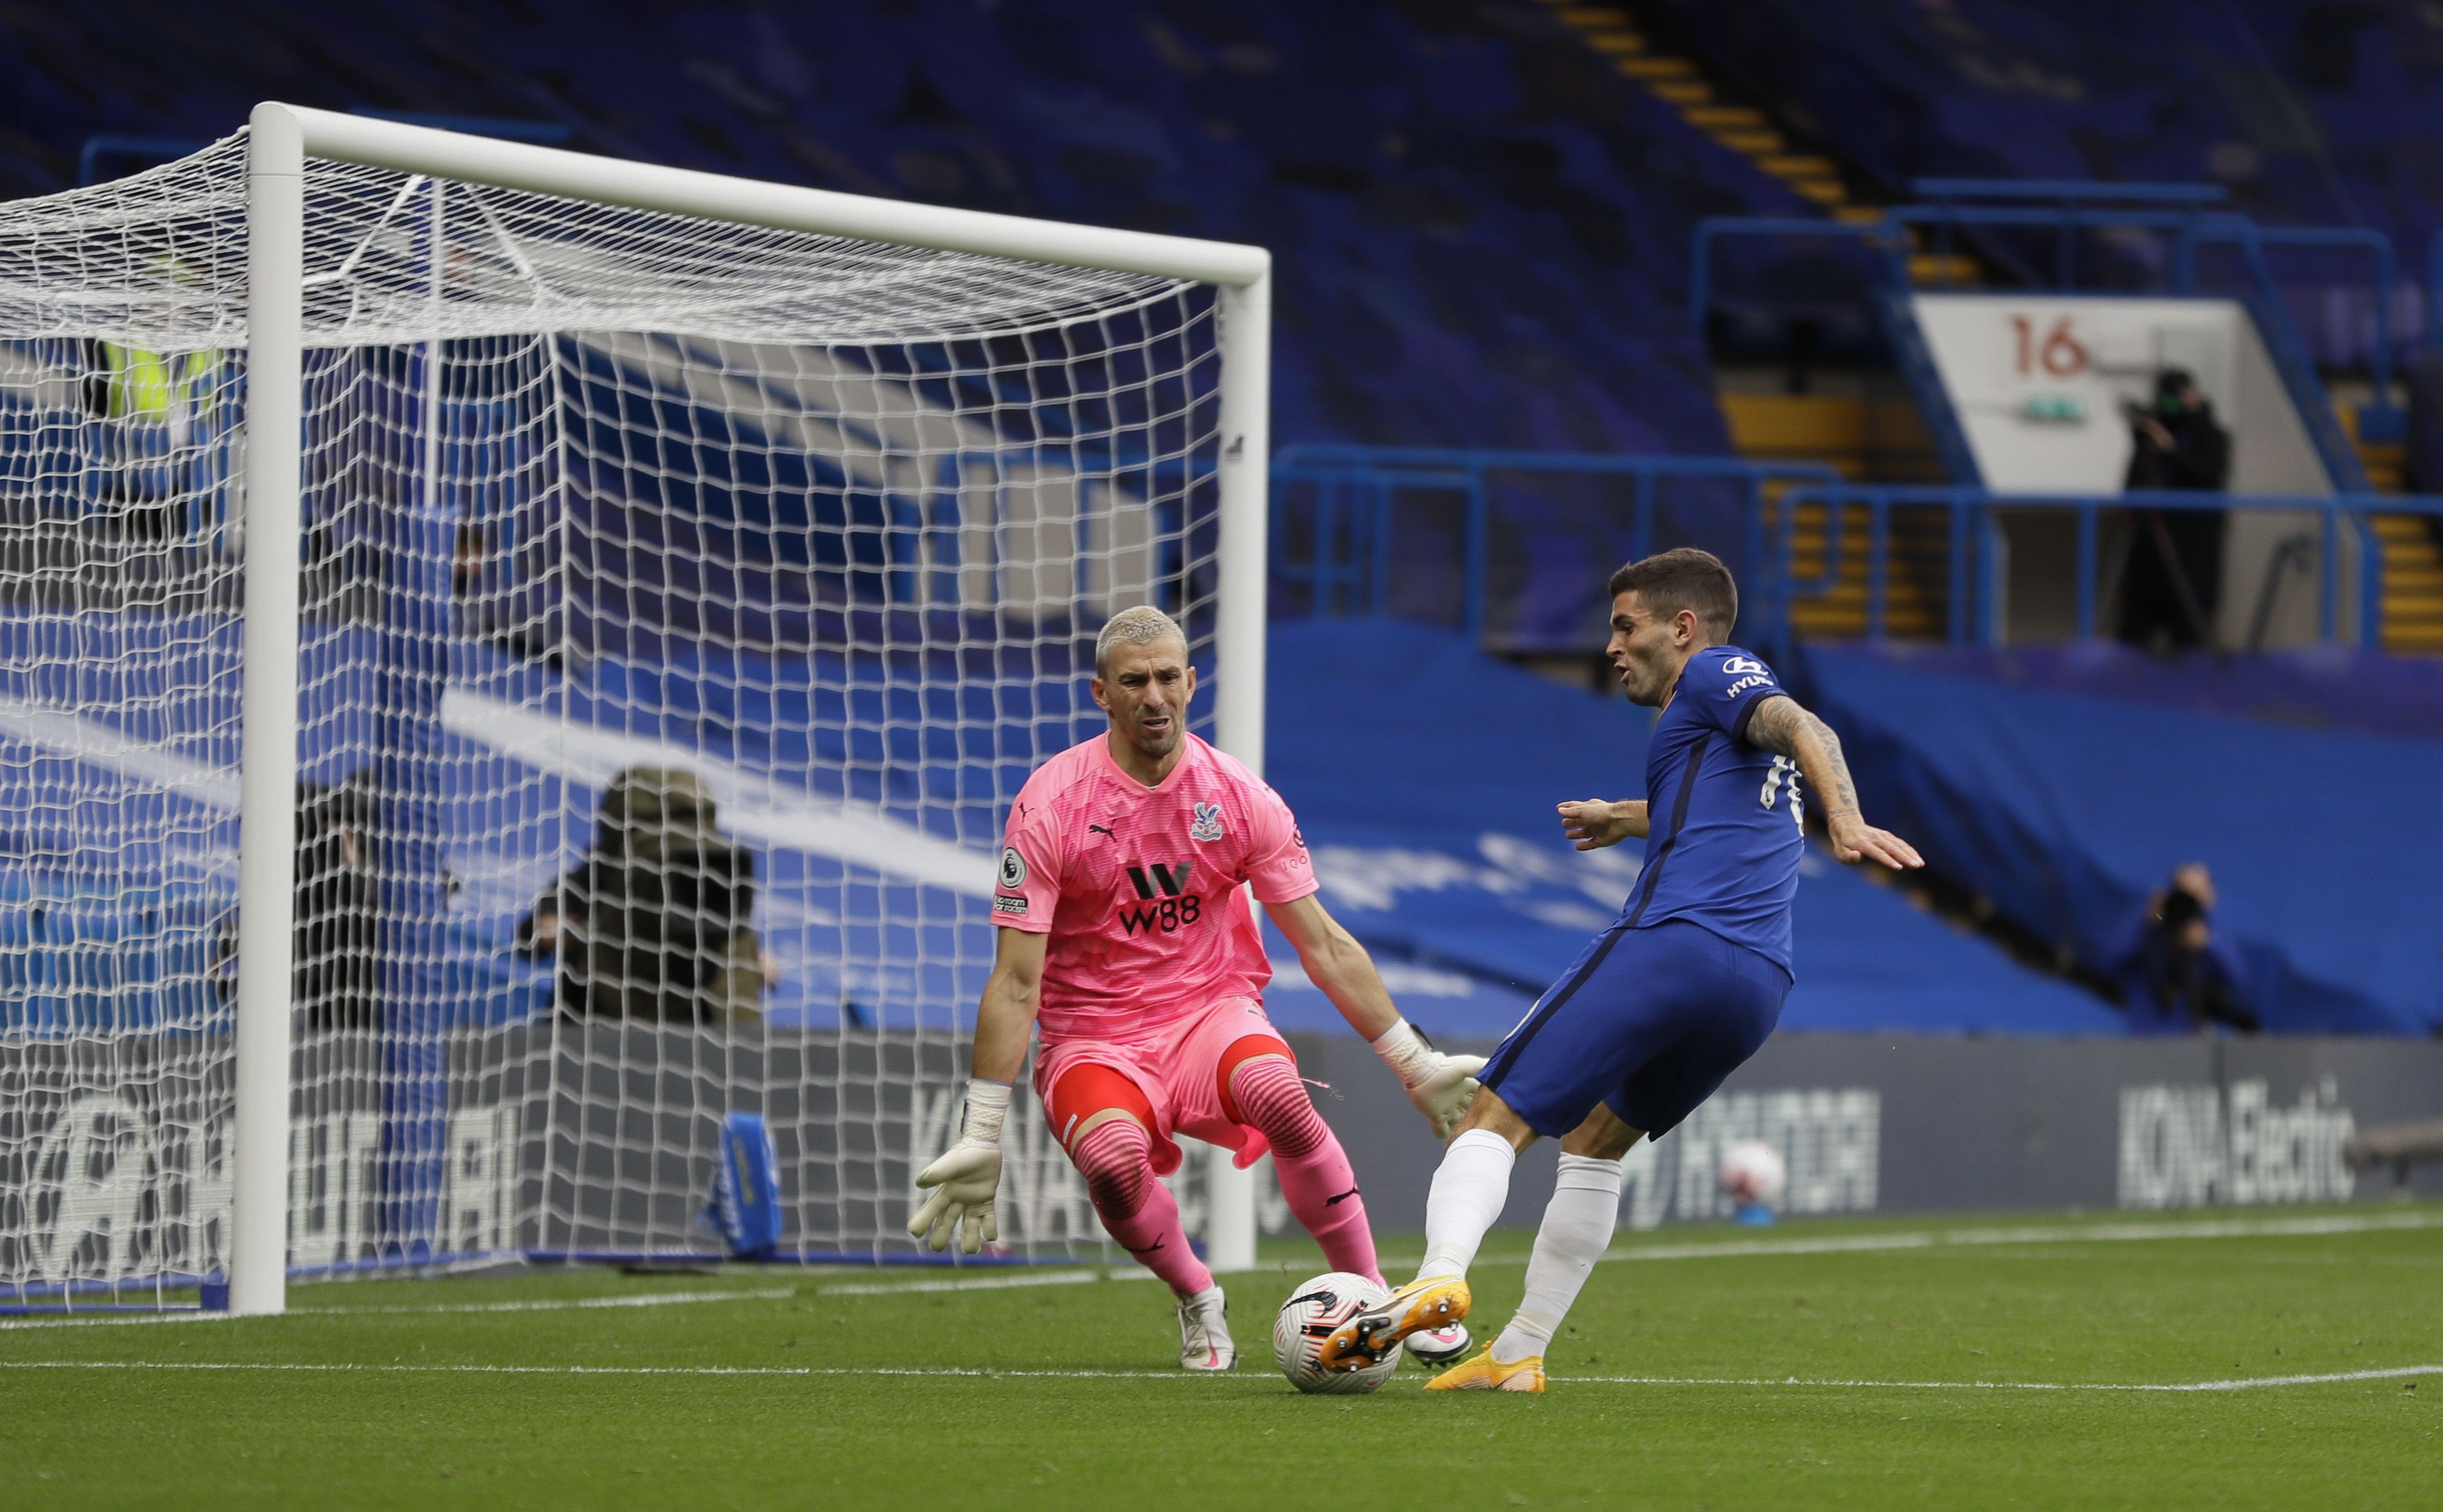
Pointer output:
x,y
1672,998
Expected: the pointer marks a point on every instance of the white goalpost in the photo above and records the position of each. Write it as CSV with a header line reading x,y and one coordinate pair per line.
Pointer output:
x,y
511,661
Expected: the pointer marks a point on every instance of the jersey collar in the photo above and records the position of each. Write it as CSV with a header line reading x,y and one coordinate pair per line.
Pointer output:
x,y
1189,756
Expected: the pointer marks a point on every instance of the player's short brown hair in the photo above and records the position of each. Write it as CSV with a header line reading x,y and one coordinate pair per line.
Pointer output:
x,y
1684,578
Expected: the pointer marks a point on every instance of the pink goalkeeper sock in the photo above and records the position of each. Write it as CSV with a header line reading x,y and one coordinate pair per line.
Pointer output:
x,y
1314,1170
1116,1159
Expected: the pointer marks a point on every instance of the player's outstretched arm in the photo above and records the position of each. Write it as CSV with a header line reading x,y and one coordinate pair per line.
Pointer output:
x,y
1781,727
1591,823
966,1179
1441,1085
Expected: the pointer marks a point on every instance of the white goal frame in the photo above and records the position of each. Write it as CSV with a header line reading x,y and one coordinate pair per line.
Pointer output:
x,y
279,140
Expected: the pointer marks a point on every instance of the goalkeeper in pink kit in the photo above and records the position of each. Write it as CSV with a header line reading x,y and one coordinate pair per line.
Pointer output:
x,y
1126,937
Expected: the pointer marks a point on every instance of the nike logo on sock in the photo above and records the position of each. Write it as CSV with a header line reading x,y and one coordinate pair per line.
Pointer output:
x,y
1334,1202
1147,1250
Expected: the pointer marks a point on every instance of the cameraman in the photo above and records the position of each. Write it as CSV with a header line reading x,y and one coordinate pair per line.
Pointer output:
x,y
2175,974
2174,582
652,924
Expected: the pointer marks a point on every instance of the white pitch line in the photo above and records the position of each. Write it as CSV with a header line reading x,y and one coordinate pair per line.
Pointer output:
x,y
1932,1239
110,1321
965,1284
983,1283
2245,1384
2099,1234
555,1304
1729,1249
549,1304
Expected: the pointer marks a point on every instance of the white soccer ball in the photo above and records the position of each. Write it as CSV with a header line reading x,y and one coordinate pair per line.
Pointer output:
x,y
1752,1172
1308,1319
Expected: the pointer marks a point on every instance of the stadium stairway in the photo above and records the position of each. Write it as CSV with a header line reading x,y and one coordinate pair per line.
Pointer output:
x,y
1683,83
2413,556
1868,433
1434,836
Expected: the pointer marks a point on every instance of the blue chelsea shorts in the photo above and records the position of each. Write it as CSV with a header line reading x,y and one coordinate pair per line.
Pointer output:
x,y
1647,1021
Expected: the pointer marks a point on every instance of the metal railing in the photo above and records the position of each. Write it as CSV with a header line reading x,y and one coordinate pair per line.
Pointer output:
x,y
1974,548
1349,500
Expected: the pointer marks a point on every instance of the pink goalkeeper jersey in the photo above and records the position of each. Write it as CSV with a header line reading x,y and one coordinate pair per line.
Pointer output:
x,y
1139,887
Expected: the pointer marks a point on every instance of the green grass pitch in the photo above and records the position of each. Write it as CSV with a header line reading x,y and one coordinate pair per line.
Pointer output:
x,y
1857,1364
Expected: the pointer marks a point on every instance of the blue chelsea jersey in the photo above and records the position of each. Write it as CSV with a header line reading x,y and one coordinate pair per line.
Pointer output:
x,y
1724,839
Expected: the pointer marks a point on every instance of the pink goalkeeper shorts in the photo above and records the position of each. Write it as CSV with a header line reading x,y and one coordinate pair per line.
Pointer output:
x,y
1179,1070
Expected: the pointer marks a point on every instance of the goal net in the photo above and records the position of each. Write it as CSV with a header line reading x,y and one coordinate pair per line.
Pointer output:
x,y
681,601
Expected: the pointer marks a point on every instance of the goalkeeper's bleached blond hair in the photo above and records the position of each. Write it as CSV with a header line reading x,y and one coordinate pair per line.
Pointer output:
x,y
1139,626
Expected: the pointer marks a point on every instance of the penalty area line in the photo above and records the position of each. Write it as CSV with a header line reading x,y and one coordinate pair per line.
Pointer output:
x,y
540,1304
952,1372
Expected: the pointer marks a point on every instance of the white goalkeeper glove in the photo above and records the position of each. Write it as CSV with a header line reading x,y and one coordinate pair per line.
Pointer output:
x,y
1441,1085
967,1177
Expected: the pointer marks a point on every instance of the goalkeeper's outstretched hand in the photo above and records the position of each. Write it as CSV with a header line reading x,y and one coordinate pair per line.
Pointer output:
x,y
963,1183
1441,1085
1444,1091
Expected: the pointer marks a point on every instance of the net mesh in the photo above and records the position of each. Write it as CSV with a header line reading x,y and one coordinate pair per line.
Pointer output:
x,y
683,605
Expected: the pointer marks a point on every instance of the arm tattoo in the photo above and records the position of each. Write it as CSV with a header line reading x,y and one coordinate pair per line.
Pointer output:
x,y
1781,727
1774,725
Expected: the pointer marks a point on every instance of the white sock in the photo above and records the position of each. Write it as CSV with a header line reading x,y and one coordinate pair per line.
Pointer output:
x,y
1576,1231
1469,1190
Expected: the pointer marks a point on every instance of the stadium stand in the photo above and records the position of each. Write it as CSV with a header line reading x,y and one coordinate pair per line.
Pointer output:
x,y
2338,689
2301,107
2310,113
2061,809
1407,156
1415,153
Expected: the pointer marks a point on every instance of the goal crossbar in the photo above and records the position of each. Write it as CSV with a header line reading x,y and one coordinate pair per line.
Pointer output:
x,y
403,148
281,140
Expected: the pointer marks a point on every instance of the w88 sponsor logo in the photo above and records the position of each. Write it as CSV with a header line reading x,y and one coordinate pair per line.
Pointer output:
x,y
1167,917
1166,906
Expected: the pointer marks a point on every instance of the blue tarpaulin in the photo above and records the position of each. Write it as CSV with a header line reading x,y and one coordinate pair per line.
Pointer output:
x,y
2067,809
1424,775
